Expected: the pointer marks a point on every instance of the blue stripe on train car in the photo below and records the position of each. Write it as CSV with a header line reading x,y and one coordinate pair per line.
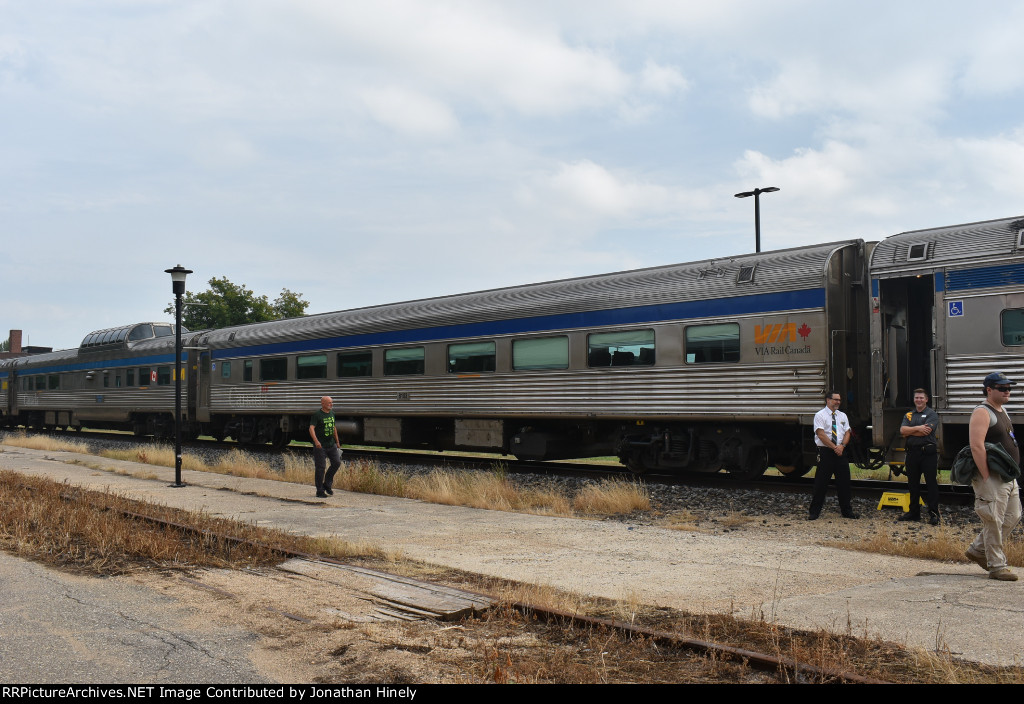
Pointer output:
x,y
737,305
985,277
102,364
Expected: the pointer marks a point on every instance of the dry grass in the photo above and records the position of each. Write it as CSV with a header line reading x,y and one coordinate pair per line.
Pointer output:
x,y
685,520
91,531
488,490
943,544
44,442
612,496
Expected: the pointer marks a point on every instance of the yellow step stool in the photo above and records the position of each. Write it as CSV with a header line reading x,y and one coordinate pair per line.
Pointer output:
x,y
899,499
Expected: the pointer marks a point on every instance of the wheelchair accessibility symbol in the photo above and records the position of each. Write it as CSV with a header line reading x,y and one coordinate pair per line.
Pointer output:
x,y
956,309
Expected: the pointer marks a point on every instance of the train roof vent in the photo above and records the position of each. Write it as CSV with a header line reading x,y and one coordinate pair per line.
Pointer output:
x,y
917,252
1018,227
715,271
746,274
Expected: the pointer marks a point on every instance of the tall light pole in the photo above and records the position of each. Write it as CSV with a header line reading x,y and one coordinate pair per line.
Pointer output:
x,y
757,211
178,274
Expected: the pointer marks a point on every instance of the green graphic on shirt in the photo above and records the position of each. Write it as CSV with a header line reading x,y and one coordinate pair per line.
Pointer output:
x,y
328,426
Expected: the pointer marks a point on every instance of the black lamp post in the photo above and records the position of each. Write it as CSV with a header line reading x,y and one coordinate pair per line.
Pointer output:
x,y
757,211
178,274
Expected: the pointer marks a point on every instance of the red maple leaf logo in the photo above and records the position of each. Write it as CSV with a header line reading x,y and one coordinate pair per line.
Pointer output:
x,y
804,331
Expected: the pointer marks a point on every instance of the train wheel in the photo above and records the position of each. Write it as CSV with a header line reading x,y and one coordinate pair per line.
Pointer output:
x,y
280,440
635,463
755,465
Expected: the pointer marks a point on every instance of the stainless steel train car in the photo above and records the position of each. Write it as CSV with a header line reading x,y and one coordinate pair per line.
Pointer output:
x,y
117,378
711,365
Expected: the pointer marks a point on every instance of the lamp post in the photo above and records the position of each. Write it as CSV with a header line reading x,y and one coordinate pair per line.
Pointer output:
x,y
757,211
178,274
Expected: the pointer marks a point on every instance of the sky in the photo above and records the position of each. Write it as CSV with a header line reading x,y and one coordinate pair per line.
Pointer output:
x,y
366,153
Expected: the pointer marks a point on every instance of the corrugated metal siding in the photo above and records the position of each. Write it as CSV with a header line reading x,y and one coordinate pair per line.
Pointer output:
x,y
985,277
992,240
964,375
758,391
783,271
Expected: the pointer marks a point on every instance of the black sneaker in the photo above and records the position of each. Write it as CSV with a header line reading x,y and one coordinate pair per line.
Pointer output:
x,y
812,517
933,518
909,517
328,490
321,495
852,516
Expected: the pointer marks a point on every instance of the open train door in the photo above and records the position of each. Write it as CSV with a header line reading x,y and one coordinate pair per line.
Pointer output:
x,y
905,350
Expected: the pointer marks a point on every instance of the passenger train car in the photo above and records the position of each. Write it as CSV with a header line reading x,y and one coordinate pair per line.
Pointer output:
x,y
711,365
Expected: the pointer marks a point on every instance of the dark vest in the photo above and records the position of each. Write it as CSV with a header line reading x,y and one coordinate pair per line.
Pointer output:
x,y
1002,433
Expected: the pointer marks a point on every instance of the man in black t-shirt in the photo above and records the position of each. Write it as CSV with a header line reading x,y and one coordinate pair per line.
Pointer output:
x,y
325,444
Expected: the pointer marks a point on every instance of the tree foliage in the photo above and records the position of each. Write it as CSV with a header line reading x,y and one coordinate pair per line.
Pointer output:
x,y
225,304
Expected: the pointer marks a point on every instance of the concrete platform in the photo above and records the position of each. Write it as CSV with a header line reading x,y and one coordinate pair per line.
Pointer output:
x,y
923,603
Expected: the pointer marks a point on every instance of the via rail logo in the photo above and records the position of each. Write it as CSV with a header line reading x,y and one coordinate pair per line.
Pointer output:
x,y
775,339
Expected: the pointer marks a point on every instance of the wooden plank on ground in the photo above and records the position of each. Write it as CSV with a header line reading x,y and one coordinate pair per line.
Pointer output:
x,y
397,596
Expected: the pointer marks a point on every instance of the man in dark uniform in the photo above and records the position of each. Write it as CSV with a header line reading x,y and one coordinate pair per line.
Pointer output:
x,y
325,444
918,428
996,500
832,435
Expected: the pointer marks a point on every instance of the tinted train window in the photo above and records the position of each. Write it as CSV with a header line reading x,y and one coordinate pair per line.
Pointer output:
x,y
471,357
621,349
162,330
163,376
145,379
53,381
141,332
355,364
1013,327
541,353
713,343
247,370
129,377
225,370
311,366
274,369
404,361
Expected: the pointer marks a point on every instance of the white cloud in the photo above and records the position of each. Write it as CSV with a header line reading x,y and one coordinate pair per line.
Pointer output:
x,y
409,112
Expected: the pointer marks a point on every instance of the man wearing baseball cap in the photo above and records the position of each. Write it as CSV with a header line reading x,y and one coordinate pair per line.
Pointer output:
x,y
996,499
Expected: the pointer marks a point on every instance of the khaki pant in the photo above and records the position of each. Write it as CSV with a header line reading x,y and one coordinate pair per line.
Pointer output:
x,y
997,504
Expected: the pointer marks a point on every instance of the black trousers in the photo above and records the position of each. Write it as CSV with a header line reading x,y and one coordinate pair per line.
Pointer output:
x,y
325,479
923,460
830,464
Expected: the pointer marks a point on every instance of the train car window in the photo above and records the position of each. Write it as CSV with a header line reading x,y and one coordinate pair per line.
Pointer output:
x,y
163,376
541,353
129,377
162,330
408,360
117,381
713,343
917,252
275,369
141,332
225,370
106,380
311,366
122,335
1013,327
247,370
355,364
144,376
53,381
621,349
471,357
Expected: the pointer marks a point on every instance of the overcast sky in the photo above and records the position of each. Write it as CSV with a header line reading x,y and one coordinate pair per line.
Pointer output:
x,y
371,152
